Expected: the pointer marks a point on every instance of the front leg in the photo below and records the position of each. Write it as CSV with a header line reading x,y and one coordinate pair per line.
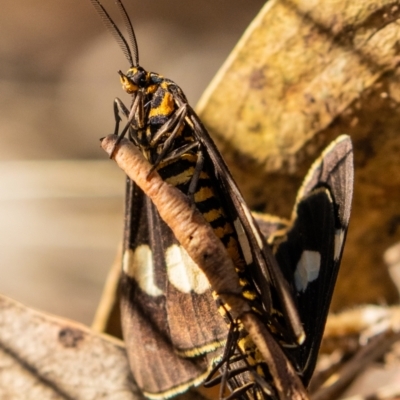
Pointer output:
x,y
119,106
196,174
175,122
135,118
176,154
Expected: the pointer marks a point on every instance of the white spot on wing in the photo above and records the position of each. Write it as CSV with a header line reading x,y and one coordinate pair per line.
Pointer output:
x,y
138,264
307,269
183,272
243,241
339,237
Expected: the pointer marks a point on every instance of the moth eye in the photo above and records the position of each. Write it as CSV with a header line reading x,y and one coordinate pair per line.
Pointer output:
x,y
139,78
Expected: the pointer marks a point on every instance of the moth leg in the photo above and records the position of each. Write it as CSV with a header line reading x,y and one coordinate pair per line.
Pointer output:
x,y
233,354
119,106
135,115
176,119
238,392
175,122
225,360
196,175
177,153
174,155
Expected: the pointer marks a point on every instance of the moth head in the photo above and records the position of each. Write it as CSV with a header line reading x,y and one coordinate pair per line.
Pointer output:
x,y
134,79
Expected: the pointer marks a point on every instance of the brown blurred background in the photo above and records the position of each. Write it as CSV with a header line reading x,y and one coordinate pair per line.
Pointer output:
x,y
60,198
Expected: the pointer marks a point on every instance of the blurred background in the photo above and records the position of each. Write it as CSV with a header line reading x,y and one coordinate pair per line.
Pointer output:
x,y
60,198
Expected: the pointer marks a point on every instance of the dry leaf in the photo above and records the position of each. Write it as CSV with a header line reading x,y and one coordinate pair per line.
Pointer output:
x,y
304,73
45,357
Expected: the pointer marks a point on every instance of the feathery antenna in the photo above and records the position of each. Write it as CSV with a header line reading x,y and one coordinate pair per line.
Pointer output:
x,y
130,30
113,29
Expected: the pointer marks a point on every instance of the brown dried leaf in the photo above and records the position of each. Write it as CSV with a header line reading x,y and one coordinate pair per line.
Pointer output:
x,y
46,357
359,343
304,73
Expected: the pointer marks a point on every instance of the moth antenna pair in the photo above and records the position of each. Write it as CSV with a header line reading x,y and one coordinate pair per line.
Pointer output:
x,y
131,53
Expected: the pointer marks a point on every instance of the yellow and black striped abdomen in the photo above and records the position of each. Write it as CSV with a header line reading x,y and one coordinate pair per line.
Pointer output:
x,y
207,199
179,174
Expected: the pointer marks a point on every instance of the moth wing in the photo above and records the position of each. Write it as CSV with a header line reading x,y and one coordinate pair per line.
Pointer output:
x,y
310,254
306,258
157,369
265,273
169,314
271,226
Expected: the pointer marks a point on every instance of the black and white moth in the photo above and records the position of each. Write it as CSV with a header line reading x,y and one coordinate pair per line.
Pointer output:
x,y
310,263
198,238
169,316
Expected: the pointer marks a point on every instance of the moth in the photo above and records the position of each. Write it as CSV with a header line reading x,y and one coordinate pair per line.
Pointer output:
x,y
330,174
171,324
